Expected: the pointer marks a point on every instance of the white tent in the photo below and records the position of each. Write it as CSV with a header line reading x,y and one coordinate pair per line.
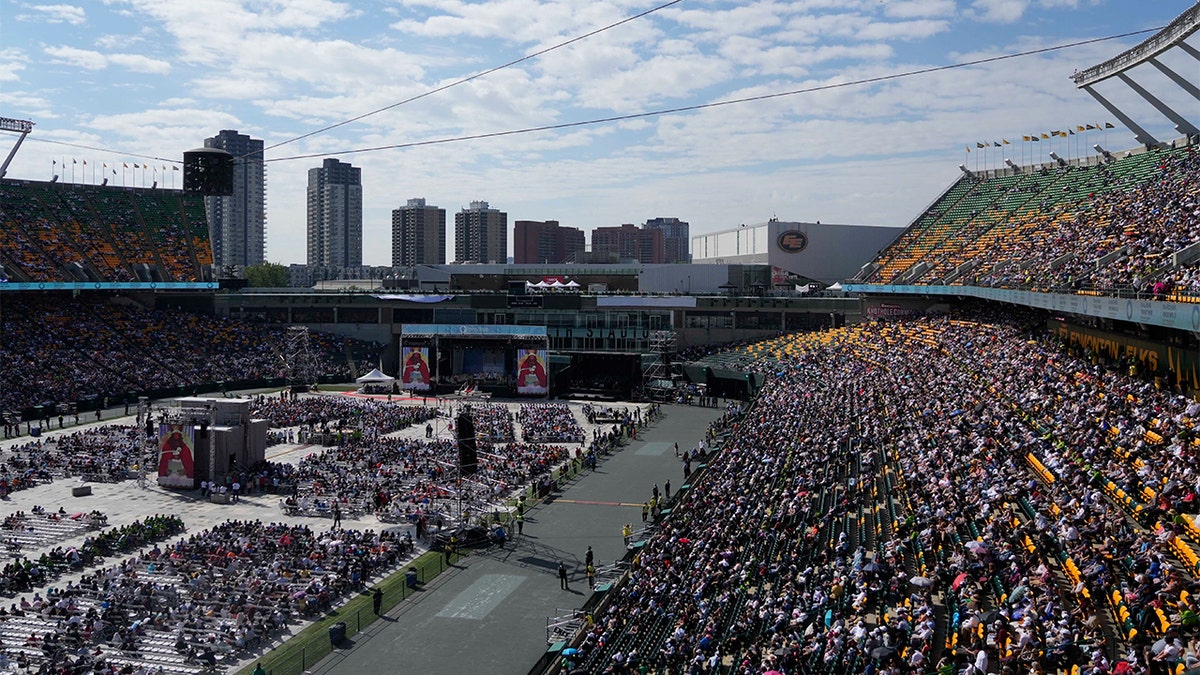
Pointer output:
x,y
376,376
571,284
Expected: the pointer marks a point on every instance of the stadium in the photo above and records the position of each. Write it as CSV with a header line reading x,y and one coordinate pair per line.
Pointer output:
x,y
976,454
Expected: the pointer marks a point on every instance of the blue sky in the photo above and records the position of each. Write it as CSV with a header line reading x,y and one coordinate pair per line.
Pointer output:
x,y
155,77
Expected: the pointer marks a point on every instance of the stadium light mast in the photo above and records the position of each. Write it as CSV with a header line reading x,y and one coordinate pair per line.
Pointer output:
x,y
22,127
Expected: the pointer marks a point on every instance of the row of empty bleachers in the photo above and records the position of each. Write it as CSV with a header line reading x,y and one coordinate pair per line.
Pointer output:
x,y
60,232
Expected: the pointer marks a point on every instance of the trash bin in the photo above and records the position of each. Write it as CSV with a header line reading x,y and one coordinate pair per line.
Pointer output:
x,y
35,431
410,578
337,633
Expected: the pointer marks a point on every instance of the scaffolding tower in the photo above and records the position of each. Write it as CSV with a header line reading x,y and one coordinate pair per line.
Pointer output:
x,y
297,358
659,380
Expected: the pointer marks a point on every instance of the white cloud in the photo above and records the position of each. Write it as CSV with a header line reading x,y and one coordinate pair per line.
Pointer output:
x,y
12,62
919,9
140,64
999,11
54,14
93,60
903,30
80,58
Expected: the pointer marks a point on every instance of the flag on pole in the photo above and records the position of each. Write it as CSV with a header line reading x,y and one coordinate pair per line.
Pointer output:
x,y
1091,126
1079,127
1109,125
1005,141
74,161
968,148
1035,139
125,164
174,168
995,144
979,145
1044,135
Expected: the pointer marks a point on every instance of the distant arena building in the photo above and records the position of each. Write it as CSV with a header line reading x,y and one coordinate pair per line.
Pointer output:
x,y
825,253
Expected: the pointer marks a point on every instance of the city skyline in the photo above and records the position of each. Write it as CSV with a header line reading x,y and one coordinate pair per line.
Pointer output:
x,y
130,80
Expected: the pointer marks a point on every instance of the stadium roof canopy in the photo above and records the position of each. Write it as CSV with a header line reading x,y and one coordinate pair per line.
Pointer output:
x,y
472,330
1171,37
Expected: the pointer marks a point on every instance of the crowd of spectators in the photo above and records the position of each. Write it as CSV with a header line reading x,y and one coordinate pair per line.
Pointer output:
x,y
28,574
549,423
199,602
925,496
1108,228
59,232
365,418
493,423
413,479
106,453
61,349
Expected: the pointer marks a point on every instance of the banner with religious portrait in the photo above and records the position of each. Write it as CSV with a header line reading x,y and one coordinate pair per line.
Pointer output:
x,y
176,457
531,372
414,369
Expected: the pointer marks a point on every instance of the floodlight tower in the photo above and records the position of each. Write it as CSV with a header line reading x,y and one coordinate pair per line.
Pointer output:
x,y
22,127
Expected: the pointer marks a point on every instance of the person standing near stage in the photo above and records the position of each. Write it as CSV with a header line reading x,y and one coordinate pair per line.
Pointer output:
x,y
337,515
562,575
377,600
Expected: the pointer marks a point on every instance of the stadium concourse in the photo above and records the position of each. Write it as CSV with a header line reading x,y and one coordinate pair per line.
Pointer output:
x,y
143,579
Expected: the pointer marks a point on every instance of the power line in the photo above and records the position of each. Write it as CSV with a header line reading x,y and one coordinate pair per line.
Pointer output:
x,y
120,153
435,90
478,75
618,118
717,104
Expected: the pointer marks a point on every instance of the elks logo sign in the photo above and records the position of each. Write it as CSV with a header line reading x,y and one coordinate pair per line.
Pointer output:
x,y
792,241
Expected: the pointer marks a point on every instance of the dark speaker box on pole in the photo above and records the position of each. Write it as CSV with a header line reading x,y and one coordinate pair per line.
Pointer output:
x,y
468,460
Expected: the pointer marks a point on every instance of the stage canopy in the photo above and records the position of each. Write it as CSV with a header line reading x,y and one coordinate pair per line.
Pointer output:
x,y
376,376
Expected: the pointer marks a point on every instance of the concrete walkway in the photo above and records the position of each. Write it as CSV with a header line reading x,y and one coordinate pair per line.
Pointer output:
x,y
488,615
